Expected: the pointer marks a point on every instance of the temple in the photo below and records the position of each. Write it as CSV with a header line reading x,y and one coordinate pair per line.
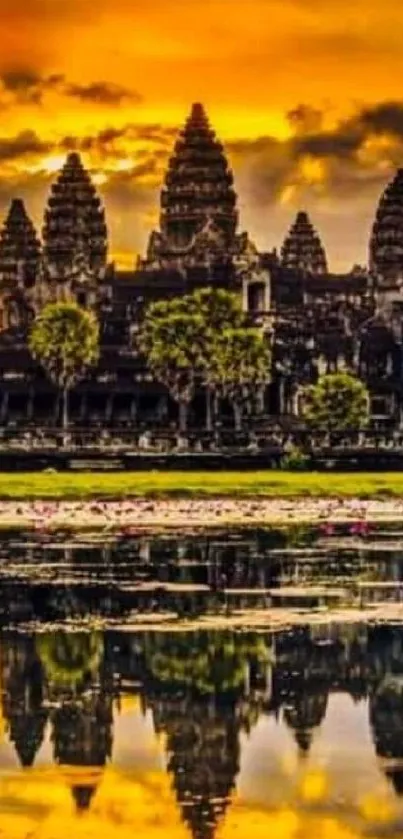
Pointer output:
x,y
198,201
74,222
302,248
317,321
386,245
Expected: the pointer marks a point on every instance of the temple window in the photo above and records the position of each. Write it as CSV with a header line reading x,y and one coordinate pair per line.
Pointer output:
x,y
13,315
256,297
381,407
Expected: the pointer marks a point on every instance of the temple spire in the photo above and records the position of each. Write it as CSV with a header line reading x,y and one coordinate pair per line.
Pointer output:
x,y
198,116
74,218
20,249
198,187
386,243
302,248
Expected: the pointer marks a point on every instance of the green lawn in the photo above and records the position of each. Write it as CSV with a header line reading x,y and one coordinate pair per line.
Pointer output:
x,y
269,484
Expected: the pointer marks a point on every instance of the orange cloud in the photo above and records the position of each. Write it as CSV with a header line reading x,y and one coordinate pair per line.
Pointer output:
x,y
115,80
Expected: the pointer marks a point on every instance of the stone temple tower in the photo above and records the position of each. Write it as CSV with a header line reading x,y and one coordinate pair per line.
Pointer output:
x,y
74,225
198,197
20,262
20,249
302,247
386,243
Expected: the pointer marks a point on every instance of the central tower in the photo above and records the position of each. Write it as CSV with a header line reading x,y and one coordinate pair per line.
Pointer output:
x,y
198,213
198,185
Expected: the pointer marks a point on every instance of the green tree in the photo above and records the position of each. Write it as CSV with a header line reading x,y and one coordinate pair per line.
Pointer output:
x,y
338,402
219,310
189,341
65,341
170,339
240,366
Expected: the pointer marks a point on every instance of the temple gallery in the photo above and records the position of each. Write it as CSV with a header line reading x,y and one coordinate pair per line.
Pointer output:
x,y
317,321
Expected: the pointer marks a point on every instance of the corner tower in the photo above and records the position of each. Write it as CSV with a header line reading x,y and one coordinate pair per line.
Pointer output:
x,y
386,243
20,249
302,248
74,222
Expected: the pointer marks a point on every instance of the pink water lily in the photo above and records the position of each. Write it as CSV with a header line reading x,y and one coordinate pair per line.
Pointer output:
x,y
327,529
359,528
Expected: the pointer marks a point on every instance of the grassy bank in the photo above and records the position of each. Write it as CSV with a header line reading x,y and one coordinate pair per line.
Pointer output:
x,y
198,484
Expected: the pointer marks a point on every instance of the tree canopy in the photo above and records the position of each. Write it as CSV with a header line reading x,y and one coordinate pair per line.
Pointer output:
x,y
204,337
65,340
171,341
240,364
338,402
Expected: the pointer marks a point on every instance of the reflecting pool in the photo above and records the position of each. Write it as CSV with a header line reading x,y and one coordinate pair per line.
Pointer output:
x,y
202,734
121,579
111,730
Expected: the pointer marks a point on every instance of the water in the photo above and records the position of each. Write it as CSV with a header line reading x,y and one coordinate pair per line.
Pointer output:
x,y
227,573
179,731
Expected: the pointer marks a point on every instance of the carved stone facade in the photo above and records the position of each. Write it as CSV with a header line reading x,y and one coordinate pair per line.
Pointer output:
x,y
198,187
386,245
20,263
319,321
74,223
302,248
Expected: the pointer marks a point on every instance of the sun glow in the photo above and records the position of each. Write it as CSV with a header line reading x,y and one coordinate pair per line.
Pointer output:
x,y
123,165
99,178
51,164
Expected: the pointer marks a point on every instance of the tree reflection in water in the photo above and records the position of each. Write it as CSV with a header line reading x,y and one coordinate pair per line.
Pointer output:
x,y
204,691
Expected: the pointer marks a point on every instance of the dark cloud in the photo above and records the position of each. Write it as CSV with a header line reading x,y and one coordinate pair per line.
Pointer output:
x,y
104,141
346,140
118,142
385,118
338,175
25,144
27,86
304,119
20,80
156,133
335,163
101,93
339,143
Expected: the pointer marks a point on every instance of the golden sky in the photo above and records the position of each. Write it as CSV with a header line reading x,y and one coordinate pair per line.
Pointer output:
x,y
305,93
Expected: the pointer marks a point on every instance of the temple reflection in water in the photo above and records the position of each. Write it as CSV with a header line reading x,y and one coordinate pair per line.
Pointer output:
x,y
119,577
205,692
